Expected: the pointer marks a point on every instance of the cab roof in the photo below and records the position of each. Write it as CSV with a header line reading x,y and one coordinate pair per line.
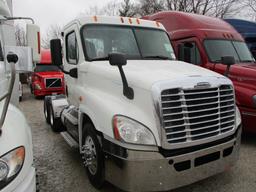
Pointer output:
x,y
45,57
115,20
179,24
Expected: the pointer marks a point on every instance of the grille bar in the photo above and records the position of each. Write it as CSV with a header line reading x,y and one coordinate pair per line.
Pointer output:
x,y
196,114
53,83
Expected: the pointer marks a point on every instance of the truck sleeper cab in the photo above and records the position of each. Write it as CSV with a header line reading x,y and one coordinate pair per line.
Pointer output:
x,y
141,119
203,41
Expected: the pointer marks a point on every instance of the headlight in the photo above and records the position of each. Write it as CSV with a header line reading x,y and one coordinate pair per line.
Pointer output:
x,y
37,87
254,100
131,131
10,165
238,117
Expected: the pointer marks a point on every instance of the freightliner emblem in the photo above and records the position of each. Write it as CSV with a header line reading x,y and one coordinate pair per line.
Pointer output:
x,y
203,85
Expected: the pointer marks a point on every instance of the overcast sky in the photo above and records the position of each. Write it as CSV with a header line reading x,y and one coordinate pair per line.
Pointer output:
x,y
48,12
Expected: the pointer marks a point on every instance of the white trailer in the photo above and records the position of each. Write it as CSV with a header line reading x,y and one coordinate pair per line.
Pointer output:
x,y
17,172
141,119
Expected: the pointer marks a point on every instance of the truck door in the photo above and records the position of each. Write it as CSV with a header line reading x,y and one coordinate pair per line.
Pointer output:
x,y
188,51
71,62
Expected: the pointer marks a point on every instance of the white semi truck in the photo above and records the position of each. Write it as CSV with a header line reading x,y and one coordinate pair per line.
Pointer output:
x,y
142,120
17,173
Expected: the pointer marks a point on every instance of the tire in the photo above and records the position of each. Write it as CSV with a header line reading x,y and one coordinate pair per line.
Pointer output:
x,y
46,111
96,175
20,98
31,89
55,123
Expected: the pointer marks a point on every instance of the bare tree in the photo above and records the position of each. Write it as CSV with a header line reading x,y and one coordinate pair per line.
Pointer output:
x,y
20,35
53,32
216,8
251,4
146,7
127,9
110,9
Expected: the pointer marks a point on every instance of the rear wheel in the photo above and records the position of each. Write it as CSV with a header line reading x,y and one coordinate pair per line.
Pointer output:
x,y
46,110
93,156
55,123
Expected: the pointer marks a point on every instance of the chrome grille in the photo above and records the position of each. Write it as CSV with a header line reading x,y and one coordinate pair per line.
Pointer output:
x,y
196,114
53,83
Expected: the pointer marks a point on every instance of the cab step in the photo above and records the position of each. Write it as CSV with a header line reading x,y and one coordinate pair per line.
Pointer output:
x,y
69,139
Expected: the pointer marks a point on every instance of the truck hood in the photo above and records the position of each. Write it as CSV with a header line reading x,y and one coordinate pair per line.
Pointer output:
x,y
49,74
144,73
244,73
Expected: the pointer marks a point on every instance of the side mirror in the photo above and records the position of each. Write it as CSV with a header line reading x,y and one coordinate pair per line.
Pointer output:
x,y
33,41
228,60
12,58
56,53
117,59
73,73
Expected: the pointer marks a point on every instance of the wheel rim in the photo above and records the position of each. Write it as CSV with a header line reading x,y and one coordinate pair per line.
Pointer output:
x,y
91,146
51,117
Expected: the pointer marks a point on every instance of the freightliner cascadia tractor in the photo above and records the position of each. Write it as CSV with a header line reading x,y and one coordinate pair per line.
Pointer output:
x,y
142,120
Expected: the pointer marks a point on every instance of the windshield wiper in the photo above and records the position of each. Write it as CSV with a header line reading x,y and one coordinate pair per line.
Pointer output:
x,y
158,57
100,58
248,61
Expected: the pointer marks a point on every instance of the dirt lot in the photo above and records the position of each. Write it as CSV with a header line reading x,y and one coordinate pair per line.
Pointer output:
x,y
60,169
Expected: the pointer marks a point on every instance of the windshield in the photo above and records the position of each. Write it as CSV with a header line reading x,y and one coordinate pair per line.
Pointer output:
x,y
46,68
220,48
134,42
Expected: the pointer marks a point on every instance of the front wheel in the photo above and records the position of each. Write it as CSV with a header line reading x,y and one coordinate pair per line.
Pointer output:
x,y
55,123
93,157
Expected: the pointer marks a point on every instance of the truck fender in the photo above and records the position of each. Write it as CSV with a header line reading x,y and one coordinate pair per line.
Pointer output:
x,y
85,114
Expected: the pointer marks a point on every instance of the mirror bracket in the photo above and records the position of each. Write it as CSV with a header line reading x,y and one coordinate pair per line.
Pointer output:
x,y
228,61
118,59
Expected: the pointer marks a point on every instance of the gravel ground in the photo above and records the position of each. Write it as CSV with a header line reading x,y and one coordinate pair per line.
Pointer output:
x,y
60,169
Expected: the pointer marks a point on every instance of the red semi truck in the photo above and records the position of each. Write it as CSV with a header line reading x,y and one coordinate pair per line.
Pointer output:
x,y
47,79
204,41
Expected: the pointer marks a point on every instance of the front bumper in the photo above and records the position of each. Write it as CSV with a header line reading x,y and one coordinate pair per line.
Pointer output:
x,y
44,92
26,185
151,171
248,119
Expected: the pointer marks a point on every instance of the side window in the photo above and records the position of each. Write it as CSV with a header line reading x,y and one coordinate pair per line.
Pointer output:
x,y
189,52
72,48
1,52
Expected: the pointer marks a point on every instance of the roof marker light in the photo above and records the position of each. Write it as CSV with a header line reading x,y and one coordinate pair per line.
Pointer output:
x,y
130,20
157,24
95,18
138,21
122,19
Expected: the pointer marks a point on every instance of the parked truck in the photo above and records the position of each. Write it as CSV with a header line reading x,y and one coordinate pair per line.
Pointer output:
x,y
142,120
248,30
204,41
17,172
47,79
